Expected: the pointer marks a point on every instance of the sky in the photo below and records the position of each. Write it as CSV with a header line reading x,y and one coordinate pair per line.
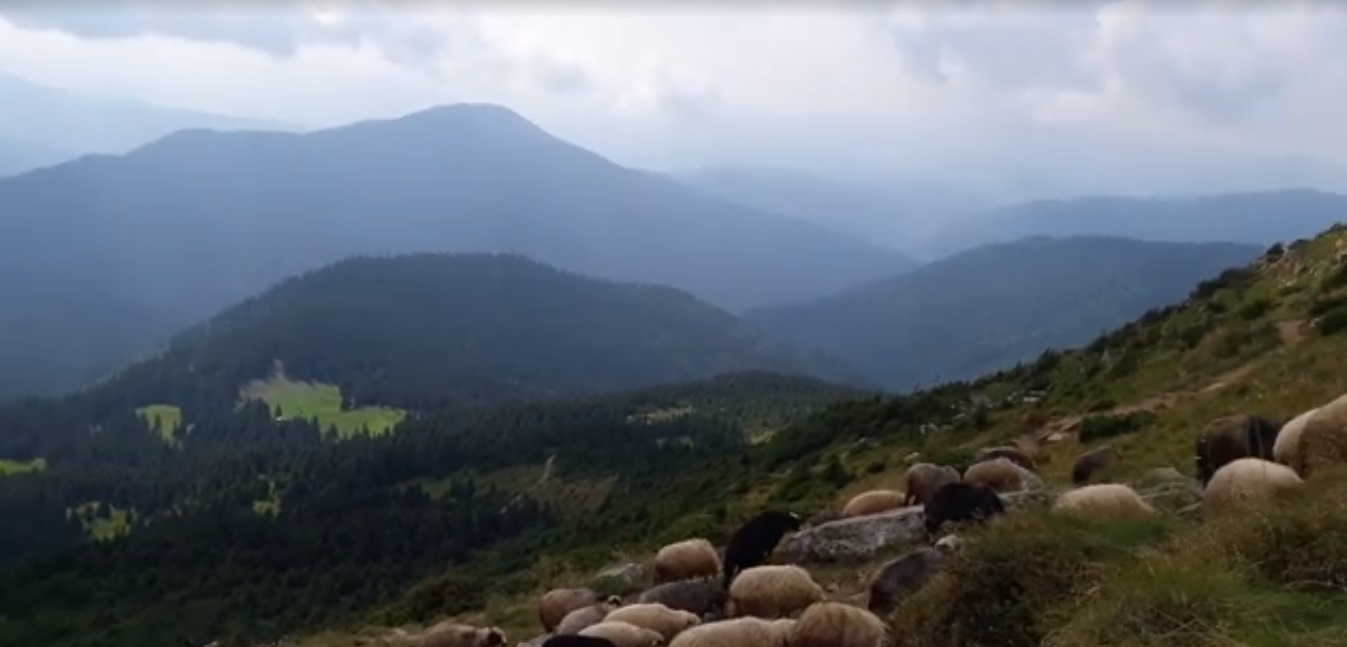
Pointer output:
x,y
909,86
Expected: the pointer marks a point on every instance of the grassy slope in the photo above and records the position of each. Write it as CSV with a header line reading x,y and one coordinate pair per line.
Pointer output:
x,y
165,418
1257,341
321,402
13,467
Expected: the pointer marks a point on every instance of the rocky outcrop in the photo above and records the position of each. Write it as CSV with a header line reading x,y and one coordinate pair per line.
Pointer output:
x,y
625,578
858,539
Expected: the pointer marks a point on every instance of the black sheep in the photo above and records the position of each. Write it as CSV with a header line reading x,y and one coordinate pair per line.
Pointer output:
x,y
754,541
1234,437
577,641
961,502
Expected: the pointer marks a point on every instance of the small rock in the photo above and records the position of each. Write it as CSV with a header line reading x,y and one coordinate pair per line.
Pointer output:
x,y
629,577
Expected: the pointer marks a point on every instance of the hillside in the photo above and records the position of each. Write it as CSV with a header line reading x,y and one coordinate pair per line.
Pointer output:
x,y
900,215
429,331
237,523
145,244
71,121
992,307
1263,339
1256,218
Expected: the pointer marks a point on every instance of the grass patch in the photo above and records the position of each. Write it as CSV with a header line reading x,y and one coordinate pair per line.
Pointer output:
x,y
270,505
163,418
101,522
12,468
322,404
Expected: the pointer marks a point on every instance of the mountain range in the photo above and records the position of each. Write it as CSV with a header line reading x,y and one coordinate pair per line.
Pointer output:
x,y
111,254
986,309
1254,217
70,124
898,214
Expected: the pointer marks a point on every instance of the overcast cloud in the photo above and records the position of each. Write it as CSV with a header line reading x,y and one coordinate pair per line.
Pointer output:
x,y
909,86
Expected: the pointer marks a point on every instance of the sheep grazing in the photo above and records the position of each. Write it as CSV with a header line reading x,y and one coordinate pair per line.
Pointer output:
x,y
1231,438
1091,463
903,576
1002,475
449,634
755,540
1012,454
958,502
577,620
685,560
923,479
1323,441
656,617
833,624
624,634
873,502
1288,439
577,641
1246,480
1103,500
739,632
775,591
704,597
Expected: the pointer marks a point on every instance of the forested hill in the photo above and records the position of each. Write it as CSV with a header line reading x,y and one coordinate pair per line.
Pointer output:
x,y
988,308
240,525
427,331
138,246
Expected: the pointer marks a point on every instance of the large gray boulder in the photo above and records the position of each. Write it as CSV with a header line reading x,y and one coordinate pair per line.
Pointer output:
x,y
859,539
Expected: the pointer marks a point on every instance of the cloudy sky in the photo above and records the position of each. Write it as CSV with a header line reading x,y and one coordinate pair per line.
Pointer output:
x,y
682,83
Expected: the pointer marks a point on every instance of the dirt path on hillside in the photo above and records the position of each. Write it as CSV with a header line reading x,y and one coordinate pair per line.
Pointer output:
x,y
1292,332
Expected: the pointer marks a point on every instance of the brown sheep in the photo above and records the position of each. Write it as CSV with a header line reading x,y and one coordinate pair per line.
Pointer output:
x,y
873,502
739,632
1106,500
1288,439
655,617
1233,437
577,620
624,634
1002,475
1323,441
923,479
555,604
450,634
833,624
685,560
1246,480
704,597
1012,454
773,591
1090,463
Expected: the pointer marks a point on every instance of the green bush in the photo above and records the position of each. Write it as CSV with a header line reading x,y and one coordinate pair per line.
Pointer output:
x,y
1095,428
1333,321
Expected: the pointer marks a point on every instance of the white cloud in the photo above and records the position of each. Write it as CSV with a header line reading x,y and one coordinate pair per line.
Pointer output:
x,y
896,85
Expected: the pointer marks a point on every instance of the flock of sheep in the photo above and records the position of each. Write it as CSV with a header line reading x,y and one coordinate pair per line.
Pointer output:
x,y
702,600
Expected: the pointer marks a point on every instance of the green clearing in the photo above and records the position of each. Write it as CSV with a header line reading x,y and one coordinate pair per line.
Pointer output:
x,y
116,523
11,467
165,418
270,506
321,403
